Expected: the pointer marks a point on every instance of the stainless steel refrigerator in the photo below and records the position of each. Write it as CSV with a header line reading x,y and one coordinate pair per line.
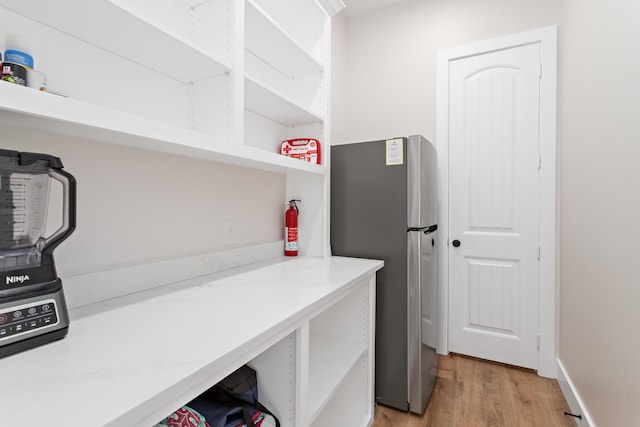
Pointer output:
x,y
384,206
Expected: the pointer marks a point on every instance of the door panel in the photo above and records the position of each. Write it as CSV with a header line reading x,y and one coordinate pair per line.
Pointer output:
x,y
493,296
494,105
489,120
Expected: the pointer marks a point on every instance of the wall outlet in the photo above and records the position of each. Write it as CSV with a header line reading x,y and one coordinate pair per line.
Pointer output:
x,y
228,232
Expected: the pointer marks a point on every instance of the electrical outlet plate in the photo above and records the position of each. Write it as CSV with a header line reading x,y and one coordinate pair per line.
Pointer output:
x,y
228,232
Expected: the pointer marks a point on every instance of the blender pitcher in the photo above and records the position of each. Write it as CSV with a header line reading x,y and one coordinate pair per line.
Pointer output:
x,y
32,306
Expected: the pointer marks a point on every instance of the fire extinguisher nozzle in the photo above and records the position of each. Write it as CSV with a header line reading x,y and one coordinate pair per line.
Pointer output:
x,y
294,205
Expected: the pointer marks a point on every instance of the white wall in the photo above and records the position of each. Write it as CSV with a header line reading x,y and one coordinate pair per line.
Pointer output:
x,y
388,85
599,157
384,85
136,205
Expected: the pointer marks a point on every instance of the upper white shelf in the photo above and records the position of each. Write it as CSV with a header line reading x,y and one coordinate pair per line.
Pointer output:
x,y
267,40
130,35
29,108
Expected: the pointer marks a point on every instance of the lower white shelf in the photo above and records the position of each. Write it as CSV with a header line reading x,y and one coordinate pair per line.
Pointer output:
x,y
352,403
331,359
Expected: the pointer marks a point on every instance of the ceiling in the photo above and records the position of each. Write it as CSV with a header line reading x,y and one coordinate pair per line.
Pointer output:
x,y
362,7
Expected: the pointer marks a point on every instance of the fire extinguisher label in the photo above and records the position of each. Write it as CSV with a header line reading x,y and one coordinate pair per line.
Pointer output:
x,y
291,243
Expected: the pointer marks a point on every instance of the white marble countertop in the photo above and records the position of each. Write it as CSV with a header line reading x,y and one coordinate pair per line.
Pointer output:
x,y
127,360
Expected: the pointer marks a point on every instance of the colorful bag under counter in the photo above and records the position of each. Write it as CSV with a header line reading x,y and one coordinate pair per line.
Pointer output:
x,y
184,417
233,402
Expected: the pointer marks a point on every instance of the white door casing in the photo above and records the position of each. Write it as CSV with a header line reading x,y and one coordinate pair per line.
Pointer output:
x,y
501,317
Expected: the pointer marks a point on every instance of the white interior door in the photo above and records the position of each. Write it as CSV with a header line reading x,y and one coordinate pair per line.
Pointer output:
x,y
494,205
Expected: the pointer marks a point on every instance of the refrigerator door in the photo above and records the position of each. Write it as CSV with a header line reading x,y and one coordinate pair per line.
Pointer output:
x,y
422,185
421,302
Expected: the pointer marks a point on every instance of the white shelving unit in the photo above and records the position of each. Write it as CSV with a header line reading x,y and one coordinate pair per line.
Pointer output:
x,y
224,81
159,362
285,87
221,80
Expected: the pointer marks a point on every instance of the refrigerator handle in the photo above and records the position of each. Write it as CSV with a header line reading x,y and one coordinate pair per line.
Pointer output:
x,y
425,230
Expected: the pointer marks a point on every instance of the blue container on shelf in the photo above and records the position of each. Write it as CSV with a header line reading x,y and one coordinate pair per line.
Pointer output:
x,y
19,57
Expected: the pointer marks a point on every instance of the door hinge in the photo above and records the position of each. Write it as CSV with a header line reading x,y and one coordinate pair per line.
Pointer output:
x,y
539,252
538,342
539,162
540,75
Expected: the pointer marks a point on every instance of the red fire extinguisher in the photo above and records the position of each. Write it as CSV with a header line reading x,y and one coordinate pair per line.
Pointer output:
x,y
291,229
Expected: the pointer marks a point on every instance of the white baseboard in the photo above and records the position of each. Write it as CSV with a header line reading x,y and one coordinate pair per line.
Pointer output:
x,y
573,398
91,287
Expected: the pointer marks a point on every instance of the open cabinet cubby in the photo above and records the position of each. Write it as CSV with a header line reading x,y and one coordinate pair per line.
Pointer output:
x,y
339,365
335,363
130,62
285,82
339,339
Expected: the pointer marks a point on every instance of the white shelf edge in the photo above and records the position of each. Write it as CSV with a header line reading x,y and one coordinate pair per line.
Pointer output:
x,y
330,368
270,104
298,60
25,107
126,34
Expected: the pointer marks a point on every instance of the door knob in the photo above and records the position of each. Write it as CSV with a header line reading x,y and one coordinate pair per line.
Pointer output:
x,y
456,243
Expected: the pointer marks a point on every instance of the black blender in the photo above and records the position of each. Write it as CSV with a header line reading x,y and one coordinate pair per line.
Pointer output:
x,y
32,305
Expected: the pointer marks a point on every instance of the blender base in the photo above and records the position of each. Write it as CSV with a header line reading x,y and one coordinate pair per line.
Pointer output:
x,y
33,320
29,343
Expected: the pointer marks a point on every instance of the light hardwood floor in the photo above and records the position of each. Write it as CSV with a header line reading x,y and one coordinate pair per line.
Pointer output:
x,y
471,392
